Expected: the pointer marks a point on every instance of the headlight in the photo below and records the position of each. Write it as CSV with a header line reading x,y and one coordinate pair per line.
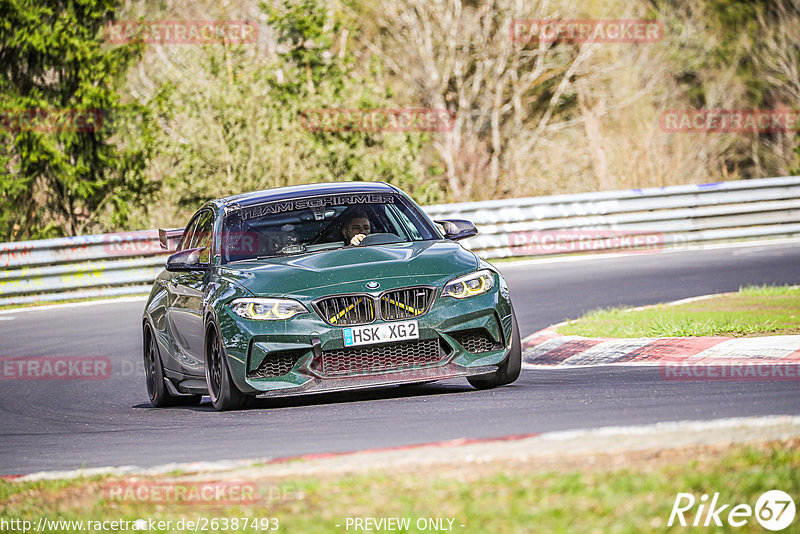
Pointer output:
x,y
265,309
469,285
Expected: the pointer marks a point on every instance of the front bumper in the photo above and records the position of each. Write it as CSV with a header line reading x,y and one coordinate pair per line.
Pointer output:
x,y
258,350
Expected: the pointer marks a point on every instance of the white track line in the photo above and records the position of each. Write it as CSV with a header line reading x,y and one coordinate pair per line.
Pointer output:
x,y
653,436
694,248
46,307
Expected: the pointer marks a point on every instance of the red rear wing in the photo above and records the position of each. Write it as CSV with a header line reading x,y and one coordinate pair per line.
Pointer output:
x,y
169,237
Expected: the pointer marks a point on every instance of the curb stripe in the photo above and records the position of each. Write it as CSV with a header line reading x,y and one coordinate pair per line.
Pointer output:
x,y
672,349
548,348
450,443
540,337
793,357
565,351
532,353
611,351
749,349
231,465
526,447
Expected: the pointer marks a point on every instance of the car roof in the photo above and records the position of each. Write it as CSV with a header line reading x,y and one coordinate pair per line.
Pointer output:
x,y
302,191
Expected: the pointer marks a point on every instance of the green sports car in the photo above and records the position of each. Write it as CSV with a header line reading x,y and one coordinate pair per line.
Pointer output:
x,y
321,288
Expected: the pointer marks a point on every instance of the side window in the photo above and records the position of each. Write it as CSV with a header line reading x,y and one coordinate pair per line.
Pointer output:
x,y
188,233
403,223
203,235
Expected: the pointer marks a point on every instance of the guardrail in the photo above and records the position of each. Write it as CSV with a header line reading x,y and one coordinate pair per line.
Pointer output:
x,y
645,220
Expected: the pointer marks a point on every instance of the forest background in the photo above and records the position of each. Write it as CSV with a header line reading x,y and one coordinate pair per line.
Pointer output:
x,y
174,124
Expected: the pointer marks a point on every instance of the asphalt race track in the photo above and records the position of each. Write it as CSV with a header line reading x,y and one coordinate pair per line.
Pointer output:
x,y
65,424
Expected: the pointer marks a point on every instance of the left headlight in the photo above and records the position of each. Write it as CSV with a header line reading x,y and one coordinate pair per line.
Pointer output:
x,y
265,309
469,285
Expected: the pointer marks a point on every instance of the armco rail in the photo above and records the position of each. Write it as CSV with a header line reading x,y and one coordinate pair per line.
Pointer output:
x,y
646,220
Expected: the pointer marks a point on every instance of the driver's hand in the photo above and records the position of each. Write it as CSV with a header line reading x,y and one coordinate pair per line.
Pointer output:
x,y
357,239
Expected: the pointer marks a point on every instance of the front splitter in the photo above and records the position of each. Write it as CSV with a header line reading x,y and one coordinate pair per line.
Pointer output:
x,y
355,382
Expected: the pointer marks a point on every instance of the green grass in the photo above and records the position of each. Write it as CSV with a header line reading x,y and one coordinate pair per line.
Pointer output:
x,y
754,310
510,498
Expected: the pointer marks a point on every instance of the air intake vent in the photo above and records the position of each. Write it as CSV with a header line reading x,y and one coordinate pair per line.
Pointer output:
x,y
476,341
276,364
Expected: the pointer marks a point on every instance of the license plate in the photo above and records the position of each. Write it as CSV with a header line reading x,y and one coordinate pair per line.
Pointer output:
x,y
380,333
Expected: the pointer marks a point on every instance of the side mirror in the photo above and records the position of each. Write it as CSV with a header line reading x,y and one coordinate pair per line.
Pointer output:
x,y
456,229
187,260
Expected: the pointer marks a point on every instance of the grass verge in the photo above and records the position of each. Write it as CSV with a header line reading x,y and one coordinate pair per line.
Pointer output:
x,y
754,310
580,496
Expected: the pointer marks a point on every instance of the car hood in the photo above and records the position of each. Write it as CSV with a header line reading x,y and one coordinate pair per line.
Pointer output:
x,y
347,270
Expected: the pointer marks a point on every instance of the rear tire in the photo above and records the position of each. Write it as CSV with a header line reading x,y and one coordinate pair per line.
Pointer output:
x,y
160,396
508,371
223,392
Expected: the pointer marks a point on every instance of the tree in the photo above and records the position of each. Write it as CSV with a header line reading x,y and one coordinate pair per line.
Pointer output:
x,y
240,111
507,92
739,54
61,166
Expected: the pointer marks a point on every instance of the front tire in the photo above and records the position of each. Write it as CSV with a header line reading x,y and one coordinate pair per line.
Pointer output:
x,y
508,371
160,396
223,392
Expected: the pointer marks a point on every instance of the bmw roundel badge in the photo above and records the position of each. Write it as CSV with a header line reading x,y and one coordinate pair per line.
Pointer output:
x,y
373,285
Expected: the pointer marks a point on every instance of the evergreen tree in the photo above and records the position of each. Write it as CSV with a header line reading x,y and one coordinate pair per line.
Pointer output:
x,y
61,166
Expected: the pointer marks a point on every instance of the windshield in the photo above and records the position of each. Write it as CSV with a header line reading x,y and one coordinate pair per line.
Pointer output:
x,y
306,225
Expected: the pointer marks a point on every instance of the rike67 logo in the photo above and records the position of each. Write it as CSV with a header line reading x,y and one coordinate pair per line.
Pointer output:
x,y
774,511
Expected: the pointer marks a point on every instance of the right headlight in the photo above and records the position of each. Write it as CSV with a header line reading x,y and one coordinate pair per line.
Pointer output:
x,y
266,309
470,285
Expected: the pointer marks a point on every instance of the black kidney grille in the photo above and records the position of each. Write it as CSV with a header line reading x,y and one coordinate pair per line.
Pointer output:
x,y
276,364
346,310
476,341
406,303
382,358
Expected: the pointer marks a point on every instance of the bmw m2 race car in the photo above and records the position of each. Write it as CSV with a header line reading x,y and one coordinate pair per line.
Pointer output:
x,y
322,288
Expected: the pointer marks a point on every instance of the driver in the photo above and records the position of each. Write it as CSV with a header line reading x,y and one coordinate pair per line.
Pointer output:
x,y
356,228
